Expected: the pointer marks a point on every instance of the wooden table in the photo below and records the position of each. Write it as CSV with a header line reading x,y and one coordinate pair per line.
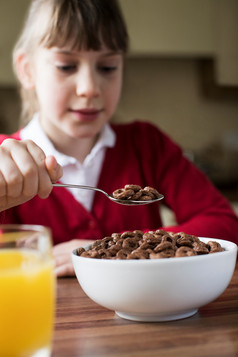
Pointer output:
x,y
83,328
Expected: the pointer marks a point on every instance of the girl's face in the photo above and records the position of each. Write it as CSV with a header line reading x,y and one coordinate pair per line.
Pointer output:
x,y
77,91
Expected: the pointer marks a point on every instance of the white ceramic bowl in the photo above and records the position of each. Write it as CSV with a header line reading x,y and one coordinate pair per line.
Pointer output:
x,y
157,289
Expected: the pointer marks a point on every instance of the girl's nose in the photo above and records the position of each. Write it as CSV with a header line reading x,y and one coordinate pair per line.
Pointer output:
x,y
87,83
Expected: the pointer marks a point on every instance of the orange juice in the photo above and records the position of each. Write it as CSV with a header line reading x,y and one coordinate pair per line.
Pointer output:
x,y
27,295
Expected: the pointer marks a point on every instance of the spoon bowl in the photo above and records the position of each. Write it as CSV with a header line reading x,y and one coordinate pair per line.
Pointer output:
x,y
116,200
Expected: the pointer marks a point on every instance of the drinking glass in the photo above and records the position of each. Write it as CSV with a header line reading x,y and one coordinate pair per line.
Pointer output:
x,y
27,291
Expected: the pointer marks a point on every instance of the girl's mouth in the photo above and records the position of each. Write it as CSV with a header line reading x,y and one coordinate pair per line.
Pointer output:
x,y
85,114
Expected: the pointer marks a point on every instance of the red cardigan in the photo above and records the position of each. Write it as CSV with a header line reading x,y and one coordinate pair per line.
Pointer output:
x,y
142,155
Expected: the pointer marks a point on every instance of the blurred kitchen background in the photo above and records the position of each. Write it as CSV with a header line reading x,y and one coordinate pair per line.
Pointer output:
x,y
181,74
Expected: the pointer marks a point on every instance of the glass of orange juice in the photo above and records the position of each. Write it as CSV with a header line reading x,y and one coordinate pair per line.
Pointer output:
x,y
27,291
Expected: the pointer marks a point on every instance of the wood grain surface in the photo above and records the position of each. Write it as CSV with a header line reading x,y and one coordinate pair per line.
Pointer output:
x,y
83,328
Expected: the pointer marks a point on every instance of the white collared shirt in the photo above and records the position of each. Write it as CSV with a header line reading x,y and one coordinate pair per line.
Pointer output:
x,y
86,173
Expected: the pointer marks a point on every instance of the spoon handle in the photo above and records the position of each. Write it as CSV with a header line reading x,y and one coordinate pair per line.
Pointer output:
x,y
78,186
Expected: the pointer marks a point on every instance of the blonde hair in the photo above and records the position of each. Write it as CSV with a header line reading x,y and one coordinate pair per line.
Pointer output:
x,y
81,23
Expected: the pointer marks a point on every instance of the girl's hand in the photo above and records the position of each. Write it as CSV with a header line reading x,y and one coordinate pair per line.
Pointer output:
x,y
25,171
62,255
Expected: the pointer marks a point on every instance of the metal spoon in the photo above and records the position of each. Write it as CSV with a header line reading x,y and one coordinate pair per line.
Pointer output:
x,y
121,202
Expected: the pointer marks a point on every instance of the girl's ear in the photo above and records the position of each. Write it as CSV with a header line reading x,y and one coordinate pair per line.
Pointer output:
x,y
24,70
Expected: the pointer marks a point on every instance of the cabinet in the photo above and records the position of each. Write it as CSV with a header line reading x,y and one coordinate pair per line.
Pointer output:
x,y
170,27
227,42
186,28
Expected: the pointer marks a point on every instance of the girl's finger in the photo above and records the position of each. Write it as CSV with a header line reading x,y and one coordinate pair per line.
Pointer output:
x,y
54,169
11,174
44,181
3,186
27,168
64,270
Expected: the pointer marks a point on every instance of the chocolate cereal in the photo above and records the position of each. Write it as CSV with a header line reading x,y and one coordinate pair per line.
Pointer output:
x,y
136,193
157,244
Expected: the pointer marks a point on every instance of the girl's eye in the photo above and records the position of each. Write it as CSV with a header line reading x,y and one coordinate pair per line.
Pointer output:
x,y
66,68
107,69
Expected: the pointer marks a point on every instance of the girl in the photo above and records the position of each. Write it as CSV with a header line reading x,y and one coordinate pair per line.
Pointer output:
x,y
69,62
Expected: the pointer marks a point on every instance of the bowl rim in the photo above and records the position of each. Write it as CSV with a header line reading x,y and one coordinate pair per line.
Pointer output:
x,y
231,248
